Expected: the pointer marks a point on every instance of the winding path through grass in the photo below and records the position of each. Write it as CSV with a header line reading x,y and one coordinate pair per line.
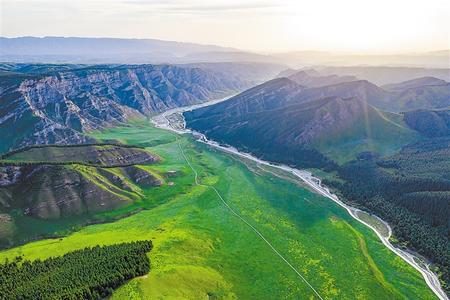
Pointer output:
x,y
197,182
315,183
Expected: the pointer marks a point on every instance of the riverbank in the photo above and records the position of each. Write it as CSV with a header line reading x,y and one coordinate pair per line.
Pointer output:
x,y
174,121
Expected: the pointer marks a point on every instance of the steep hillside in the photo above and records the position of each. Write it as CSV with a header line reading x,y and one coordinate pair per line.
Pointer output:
x,y
361,89
314,79
56,107
422,97
248,72
337,128
423,93
385,75
414,83
431,123
68,184
270,95
102,155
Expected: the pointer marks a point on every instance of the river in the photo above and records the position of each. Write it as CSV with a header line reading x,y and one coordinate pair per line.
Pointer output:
x,y
173,120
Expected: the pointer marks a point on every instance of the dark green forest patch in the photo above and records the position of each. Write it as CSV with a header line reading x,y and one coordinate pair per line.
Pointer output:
x,y
90,273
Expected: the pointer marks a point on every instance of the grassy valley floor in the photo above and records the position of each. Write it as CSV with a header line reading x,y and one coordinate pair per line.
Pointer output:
x,y
202,251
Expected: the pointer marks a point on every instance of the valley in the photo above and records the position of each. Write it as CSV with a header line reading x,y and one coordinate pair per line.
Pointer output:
x,y
224,150
210,252
376,160
174,120
98,165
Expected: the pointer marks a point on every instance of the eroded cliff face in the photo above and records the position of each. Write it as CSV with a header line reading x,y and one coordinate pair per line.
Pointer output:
x,y
52,192
52,182
58,107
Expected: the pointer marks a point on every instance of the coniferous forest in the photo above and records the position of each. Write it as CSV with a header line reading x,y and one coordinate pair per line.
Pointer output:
x,y
90,273
410,190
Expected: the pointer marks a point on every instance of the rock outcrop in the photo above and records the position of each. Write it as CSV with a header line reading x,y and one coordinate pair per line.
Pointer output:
x,y
57,107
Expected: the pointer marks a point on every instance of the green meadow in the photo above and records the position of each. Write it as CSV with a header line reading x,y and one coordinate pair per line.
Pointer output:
x,y
203,251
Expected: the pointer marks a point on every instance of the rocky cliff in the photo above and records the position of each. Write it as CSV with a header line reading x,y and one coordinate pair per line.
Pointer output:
x,y
58,106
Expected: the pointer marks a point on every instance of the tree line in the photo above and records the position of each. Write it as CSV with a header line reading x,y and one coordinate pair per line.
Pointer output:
x,y
411,194
89,273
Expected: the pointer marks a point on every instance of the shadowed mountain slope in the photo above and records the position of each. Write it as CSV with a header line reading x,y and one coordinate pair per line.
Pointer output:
x,y
431,123
335,127
311,78
414,83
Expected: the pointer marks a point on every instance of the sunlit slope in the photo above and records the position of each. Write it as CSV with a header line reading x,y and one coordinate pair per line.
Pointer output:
x,y
48,190
202,251
308,133
368,129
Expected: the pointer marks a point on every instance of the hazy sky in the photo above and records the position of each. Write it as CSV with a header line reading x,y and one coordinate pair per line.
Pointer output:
x,y
272,25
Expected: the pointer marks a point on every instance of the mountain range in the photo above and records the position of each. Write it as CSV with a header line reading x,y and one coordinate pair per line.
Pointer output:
x,y
281,120
98,50
431,59
380,147
312,78
338,121
58,104
419,93
138,51
382,75
384,149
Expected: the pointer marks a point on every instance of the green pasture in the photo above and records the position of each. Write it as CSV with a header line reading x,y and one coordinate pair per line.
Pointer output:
x,y
202,251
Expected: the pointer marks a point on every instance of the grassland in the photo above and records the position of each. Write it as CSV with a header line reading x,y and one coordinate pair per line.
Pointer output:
x,y
201,251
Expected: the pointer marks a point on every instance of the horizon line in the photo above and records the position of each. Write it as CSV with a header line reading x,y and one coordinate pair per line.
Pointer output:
x,y
261,52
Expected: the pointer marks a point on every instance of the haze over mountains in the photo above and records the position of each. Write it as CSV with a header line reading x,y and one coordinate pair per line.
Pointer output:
x,y
433,59
382,75
115,50
98,50
419,93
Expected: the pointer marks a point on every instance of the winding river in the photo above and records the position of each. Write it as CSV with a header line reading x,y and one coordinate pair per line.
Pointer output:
x,y
173,120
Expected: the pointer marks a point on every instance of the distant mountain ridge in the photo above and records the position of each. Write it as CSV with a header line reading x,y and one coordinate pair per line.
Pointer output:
x,y
433,59
138,51
382,75
361,89
312,78
420,93
118,50
414,83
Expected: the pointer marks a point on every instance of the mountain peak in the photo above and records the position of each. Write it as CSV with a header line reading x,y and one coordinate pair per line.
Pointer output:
x,y
415,83
312,78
